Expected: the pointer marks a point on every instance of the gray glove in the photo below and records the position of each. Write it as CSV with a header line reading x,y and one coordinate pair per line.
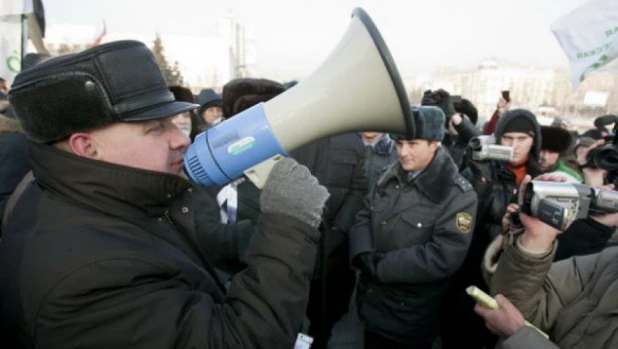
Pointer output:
x,y
291,190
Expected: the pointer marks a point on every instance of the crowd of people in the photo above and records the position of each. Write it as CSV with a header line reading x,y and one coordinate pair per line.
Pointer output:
x,y
357,240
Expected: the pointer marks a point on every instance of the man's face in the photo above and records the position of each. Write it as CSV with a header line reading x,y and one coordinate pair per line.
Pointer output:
x,y
521,143
371,137
212,114
156,145
548,159
416,155
183,122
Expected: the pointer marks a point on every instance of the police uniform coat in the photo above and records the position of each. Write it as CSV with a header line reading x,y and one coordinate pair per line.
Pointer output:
x,y
420,230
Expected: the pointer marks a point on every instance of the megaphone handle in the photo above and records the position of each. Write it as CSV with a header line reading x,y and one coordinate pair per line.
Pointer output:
x,y
259,173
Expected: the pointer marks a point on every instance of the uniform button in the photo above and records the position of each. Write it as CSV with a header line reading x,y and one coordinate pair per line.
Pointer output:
x,y
370,291
397,186
419,225
383,222
160,219
190,190
169,196
184,210
402,304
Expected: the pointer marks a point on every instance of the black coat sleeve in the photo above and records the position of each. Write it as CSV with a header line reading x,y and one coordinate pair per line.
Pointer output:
x,y
584,236
138,301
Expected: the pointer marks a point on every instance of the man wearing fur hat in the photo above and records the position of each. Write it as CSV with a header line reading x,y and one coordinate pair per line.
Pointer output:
x,y
102,251
556,141
496,184
410,238
460,123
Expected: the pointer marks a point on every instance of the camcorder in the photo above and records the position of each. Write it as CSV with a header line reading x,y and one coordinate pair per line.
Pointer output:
x,y
606,156
485,148
558,204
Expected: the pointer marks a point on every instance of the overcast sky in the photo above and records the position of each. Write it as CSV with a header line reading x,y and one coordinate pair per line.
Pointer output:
x,y
294,36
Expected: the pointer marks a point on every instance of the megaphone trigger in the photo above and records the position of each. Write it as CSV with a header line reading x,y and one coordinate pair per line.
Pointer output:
x,y
259,173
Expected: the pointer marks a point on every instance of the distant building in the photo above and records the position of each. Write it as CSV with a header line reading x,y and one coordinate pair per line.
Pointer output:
x,y
546,91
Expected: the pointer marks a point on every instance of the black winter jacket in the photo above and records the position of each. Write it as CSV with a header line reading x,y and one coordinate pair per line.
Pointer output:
x,y
104,256
420,230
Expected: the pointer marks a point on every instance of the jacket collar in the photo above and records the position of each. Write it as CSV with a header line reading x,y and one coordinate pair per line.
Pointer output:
x,y
114,189
431,182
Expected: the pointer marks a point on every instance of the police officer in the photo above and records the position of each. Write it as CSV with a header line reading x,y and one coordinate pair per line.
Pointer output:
x,y
412,235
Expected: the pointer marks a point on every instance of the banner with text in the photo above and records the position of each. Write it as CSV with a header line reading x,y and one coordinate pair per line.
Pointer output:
x,y
589,37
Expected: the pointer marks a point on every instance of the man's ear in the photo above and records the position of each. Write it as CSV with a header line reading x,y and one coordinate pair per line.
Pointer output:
x,y
434,145
82,144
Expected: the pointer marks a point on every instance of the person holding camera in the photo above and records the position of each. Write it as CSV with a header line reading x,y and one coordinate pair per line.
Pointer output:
x,y
582,237
574,301
496,184
461,116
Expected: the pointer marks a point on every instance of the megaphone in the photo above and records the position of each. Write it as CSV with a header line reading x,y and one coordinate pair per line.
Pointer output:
x,y
357,88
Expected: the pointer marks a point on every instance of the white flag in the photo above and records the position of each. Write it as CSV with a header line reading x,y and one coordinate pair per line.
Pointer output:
x,y
13,36
15,7
589,37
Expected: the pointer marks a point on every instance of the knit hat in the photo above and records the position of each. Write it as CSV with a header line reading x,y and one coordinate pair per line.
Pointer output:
x,y
522,125
208,98
583,142
428,123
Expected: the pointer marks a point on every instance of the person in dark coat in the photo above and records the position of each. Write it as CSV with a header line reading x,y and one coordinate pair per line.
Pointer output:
x,y
14,158
338,163
101,250
210,111
410,238
496,184
460,124
379,154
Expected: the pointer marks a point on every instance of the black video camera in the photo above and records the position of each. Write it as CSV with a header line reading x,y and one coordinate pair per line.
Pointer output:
x,y
606,156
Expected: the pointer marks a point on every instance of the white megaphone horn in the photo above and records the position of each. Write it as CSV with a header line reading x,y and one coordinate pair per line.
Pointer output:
x,y
357,88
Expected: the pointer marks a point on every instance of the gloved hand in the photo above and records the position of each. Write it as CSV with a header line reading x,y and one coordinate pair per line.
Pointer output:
x,y
444,102
467,108
366,262
427,98
291,190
